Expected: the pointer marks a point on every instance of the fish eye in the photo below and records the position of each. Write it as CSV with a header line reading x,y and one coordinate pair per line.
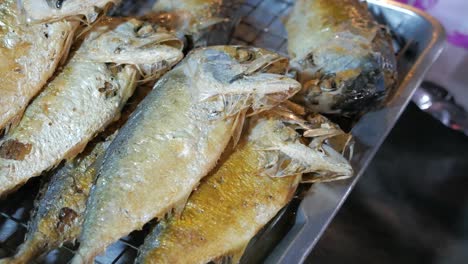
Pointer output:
x,y
244,54
55,3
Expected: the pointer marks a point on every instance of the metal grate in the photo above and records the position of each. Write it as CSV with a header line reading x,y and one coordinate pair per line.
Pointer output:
x,y
255,23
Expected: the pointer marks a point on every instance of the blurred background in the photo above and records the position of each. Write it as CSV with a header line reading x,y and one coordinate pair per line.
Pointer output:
x,y
411,206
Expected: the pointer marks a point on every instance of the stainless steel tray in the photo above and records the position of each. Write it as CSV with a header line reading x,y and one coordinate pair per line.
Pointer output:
x,y
293,233
419,40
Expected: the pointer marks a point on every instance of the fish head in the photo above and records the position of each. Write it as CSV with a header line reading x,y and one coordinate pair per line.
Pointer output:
x,y
52,10
343,77
284,152
243,77
131,41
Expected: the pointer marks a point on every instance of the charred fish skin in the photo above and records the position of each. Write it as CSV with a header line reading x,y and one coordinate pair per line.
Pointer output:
x,y
175,137
345,62
59,211
37,11
239,197
81,101
29,55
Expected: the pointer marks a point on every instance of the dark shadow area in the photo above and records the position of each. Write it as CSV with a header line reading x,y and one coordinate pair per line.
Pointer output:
x,y
411,206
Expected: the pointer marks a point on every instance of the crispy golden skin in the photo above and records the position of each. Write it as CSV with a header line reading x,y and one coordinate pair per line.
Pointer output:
x,y
59,212
84,97
239,197
29,55
59,209
175,138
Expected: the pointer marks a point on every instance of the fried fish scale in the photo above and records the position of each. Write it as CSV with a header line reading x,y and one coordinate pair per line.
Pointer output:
x,y
81,100
59,208
29,55
175,137
58,215
240,196
345,62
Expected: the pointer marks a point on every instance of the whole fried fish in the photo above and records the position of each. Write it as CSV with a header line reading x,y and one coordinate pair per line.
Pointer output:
x,y
29,55
176,136
83,98
59,211
241,195
345,62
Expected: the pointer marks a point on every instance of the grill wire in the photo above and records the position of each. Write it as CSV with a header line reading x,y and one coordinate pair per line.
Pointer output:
x,y
255,23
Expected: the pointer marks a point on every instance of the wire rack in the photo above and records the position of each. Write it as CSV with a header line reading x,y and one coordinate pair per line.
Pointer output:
x,y
254,23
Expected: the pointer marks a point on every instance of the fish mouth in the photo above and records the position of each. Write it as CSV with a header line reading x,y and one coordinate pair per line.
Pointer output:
x,y
260,60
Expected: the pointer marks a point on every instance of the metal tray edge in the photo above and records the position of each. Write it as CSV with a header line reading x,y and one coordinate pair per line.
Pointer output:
x,y
324,200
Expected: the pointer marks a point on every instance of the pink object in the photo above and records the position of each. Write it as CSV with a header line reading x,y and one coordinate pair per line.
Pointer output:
x,y
422,4
451,13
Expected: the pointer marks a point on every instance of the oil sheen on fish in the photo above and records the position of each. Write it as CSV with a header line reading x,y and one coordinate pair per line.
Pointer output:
x,y
240,196
345,62
59,211
81,100
176,136
51,10
29,55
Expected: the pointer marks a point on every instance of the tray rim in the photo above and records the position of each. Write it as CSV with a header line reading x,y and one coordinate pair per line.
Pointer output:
x,y
300,241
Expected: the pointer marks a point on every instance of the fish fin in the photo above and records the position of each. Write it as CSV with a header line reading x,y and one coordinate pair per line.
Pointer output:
x,y
238,127
67,45
287,155
89,25
293,107
207,24
323,161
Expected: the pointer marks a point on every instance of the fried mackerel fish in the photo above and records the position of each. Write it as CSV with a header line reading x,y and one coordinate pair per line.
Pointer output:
x,y
176,136
58,215
84,97
59,208
244,192
29,55
345,62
